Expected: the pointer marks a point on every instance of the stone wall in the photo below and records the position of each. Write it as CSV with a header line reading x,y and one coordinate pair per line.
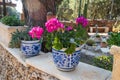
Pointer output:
x,y
5,32
115,50
102,23
12,69
92,23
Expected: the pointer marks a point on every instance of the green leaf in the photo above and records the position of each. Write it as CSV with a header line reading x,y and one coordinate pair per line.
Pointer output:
x,y
71,49
48,45
57,44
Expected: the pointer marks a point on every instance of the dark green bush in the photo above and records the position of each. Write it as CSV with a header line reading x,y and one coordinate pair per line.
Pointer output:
x,y
114,39
90,42
105,62
98,36
11,21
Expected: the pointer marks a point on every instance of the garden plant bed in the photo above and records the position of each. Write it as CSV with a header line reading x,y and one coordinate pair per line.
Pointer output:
x,y
95,54
90,57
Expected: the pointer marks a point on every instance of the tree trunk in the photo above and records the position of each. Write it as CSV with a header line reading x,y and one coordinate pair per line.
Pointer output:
x,y
4,8
35,11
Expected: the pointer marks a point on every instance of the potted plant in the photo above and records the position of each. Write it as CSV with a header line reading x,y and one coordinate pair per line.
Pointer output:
x,y
65,41
8,25
28,40
97,38
90,42
103,43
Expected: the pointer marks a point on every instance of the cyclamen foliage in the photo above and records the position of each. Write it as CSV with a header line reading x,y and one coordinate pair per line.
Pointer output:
x,y
36,32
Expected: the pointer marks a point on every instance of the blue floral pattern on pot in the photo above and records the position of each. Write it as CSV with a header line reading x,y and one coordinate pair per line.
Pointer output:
x,y
30,48
66,62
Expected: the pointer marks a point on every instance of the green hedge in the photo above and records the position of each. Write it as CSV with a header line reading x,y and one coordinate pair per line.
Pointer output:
x,y
114,39
11,21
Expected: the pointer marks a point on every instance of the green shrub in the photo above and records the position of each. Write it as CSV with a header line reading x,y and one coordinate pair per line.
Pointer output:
x,y
114,39
105,62
90,42
98,36
11,21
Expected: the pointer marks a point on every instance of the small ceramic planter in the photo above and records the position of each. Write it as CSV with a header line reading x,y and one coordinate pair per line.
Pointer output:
x,y
30,48
97,39
103,44
66,62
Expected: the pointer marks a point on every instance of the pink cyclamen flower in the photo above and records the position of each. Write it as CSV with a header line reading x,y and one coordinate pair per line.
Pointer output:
x,y
31,33
53,25
85,22
82,20
36,32
69,28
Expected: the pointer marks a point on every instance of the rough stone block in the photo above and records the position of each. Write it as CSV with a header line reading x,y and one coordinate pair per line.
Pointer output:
x,y
5,32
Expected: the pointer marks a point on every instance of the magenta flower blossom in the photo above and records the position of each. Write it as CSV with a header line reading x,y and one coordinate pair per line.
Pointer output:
x,y
60,37
53,25
81,20
69,28
36,32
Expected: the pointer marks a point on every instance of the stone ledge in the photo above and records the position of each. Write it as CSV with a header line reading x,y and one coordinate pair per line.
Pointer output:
x,y
16,53
83,71
13,67
42,67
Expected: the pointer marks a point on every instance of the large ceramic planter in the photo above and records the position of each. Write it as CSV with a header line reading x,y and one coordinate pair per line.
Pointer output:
x,y
30,48
66,62
103,44
97,39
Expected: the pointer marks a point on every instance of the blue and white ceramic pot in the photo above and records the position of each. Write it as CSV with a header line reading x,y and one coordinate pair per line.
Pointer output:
x,y
65,62
30,48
